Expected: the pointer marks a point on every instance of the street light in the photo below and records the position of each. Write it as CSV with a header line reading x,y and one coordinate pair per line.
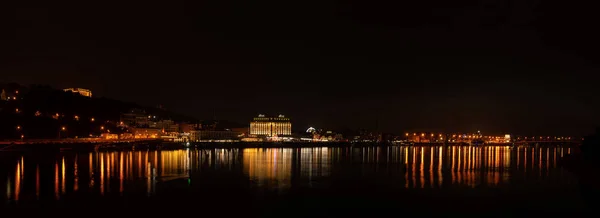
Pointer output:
x,y
92,119
61,130
18,127
102,128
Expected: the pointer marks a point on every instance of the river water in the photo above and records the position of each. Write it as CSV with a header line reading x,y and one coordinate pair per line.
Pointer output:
x,y
275,182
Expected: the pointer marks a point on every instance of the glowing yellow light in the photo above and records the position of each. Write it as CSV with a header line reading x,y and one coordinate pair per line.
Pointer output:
x,y
102,128
18,127
92,119
64,128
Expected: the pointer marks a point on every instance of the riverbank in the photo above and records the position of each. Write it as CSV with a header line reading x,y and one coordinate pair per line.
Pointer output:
x,y
158,144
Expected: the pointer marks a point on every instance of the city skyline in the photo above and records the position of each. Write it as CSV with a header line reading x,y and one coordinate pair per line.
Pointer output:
x,y
299,108
139,118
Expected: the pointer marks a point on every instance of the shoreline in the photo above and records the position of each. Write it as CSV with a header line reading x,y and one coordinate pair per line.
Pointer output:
x,y
49,146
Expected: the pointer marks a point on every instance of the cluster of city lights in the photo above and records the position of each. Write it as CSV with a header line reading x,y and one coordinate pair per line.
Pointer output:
x,y
534,138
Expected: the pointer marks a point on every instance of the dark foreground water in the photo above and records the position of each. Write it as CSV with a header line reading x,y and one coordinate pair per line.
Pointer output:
x,y
288,182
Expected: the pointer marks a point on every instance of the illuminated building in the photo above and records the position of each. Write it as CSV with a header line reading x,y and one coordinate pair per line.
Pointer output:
x,y
146,133
135,118
176,137
3,96
167,125
270,126
80,91
109,136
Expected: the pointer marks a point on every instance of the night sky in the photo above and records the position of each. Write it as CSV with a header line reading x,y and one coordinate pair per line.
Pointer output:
x,y
515,66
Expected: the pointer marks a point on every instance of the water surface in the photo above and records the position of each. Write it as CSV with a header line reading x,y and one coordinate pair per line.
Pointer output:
x,y
271,181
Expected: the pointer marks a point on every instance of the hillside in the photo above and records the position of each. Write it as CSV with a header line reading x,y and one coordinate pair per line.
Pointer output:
x,y
41,111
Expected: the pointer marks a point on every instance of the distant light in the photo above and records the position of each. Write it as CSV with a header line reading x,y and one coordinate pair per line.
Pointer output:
x,y
92,119
18,127
63,128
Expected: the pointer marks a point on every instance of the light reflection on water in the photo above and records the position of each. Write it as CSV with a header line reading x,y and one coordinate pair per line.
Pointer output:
x,y
29,177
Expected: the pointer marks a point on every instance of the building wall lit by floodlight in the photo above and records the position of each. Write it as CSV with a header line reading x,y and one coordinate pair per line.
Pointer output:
x,y
83,92
271,126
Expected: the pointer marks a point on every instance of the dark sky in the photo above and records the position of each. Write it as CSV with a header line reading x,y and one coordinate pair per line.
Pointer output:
x,y
516,66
